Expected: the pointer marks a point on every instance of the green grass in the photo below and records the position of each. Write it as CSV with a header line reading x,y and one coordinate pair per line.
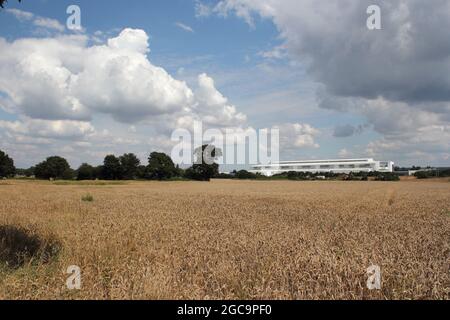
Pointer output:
x,y
87,198
88,183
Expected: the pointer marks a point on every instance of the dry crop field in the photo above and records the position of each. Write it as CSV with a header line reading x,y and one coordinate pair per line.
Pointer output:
x,y
225,239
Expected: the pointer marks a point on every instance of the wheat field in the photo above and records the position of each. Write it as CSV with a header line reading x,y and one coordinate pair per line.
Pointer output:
x,y
225,239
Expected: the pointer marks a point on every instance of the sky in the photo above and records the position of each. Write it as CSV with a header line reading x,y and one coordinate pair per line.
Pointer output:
x,y
138,70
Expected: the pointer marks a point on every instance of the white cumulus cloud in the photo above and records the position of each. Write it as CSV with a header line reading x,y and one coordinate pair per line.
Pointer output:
x,y
63,78
59,129
58,87
298,135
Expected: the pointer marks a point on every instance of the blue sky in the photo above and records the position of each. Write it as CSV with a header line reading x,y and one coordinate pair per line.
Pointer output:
x,y
261,56
229,43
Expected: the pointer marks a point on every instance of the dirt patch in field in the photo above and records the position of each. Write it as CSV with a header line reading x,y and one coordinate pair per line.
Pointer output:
x,y
19,246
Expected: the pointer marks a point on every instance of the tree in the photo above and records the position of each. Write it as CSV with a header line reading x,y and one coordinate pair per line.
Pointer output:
x,y
98,173
205,168
179,172
25,172
112,169
129,163
245,175
69,174
85,172
7,168
160,167
54,168
29,172
141,172
2,2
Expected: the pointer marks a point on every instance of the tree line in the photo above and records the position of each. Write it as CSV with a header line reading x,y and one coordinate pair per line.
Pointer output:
x,y
308,176
126,167
161,167
437,173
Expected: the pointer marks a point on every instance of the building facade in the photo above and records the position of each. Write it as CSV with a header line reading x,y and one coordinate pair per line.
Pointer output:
x,y
325,166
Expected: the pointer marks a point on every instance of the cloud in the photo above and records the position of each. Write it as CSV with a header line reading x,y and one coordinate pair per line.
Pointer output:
x,y
59,87
239,8
431,143
184,27
344,131
397,77
49,24
36,78
130,40
37,21
65,130
202,10
298,135
20,14
407,61
344,153
347,130
214,107
64,79
278,52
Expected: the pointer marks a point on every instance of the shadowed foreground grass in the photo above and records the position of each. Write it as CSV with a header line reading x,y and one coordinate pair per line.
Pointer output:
x,y
231,239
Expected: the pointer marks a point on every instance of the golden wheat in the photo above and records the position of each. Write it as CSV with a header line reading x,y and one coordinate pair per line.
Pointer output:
x,y
231,239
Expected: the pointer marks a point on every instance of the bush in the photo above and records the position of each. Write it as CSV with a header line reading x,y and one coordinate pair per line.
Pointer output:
x,y
423,174
362,176
224,176
432,174
294,175
87,198
202,172
245,175
7,168
387,176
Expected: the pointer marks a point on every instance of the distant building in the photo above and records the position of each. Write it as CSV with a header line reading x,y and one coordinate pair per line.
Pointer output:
x,y
412,172
318,166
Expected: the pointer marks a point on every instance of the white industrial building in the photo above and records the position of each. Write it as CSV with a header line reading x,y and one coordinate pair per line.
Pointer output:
x,y
323,166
